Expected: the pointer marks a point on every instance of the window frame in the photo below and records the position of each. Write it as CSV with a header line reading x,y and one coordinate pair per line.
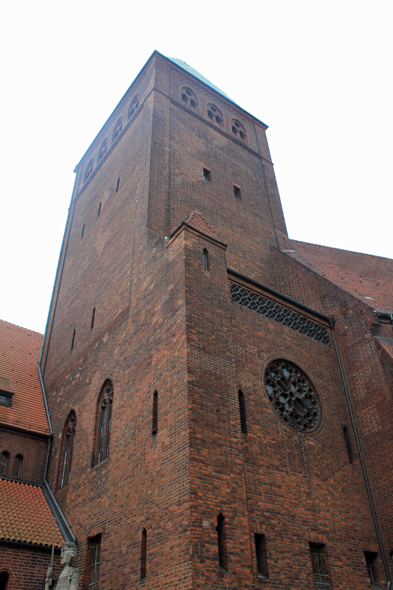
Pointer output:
x,y
4,465
93,555
104,422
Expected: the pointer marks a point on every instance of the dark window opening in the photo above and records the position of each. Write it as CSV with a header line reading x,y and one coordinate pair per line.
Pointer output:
x,y
348,443
4,462
214,114
242,409
261,555
237,191
5,400
155,414
99,209
371,563
143,554
205,259
133,107
206,174
4,576
93,561
93,315
318,562
117,185
222,544
89,170
68,439
189,97
73,339
17,466
83,230
105,418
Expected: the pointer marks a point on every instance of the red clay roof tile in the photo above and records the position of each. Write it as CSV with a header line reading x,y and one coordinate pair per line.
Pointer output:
x,y
25,516
19,355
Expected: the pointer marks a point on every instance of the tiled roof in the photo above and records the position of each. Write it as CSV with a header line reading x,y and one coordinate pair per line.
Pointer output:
x,y
387,344
19,355
25,516
196,221
367,277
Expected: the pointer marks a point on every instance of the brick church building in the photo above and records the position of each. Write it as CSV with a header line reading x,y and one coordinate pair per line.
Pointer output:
x,y
219,396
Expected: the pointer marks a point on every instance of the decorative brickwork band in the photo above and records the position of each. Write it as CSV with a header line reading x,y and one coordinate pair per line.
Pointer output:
x,y
279,313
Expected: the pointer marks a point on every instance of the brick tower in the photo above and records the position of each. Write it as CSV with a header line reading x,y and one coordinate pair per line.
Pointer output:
x,y
202,432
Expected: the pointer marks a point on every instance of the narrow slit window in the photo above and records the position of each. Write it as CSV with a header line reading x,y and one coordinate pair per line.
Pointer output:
x,y
155,414
93,560
242,409
318,562
222,544
99,209
4,462
143,554
207,174
93,315
371,562
348,443
118,185
205,259
17,465
83,231
261,555
237,191
73,339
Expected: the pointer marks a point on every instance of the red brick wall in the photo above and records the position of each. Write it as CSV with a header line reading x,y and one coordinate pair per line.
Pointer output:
x,y
33,450
26,567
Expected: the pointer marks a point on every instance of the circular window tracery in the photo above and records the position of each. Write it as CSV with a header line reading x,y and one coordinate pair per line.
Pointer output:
x,y
214,113
133,107
292,395
189,97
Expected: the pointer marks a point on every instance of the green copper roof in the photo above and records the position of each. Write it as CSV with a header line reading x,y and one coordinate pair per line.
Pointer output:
x,y
190,70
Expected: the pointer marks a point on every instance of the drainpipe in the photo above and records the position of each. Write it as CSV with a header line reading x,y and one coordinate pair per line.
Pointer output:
x,y
370,499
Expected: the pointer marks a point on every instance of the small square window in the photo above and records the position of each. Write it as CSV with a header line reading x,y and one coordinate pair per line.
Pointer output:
x,y
207,174
5,400
236,190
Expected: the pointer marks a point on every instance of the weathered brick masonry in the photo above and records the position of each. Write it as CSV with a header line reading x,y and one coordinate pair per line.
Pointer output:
x,y
142,298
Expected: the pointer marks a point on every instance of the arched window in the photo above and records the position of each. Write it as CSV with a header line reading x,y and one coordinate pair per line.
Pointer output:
x,y
222,544
104,421
66,449
4,462
238,129
118,129
189,97
214,113
17,466
103,150
89,169
4,577
133,107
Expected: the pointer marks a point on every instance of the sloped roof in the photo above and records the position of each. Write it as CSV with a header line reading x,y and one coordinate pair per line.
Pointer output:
x,y
387,344
25,516
182,64
367,277
19,355
196,221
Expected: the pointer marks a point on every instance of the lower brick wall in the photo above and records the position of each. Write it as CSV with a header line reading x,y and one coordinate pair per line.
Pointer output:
x,y
26,567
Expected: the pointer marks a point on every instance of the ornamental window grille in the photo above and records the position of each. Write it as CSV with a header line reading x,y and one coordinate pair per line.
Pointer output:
x,y
93,561
133,107
238,129
214,114
4,457
318,562
118,129
103,150
68,440
279,313
292,395
104,422
17,466
89,169
189,97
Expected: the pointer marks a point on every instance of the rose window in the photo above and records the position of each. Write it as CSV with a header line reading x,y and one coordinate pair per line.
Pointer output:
x,y
292,395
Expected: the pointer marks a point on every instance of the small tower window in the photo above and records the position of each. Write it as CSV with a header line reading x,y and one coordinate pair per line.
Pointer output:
x,y
73,340
4,457
103,150
214,114
205,259
17,466
238,129
189,97
237,192
83,231
99,209
261,555
155,414
222,544
133,107
89,169
242,410
348,443
118,129
318,562
117,185
93,315
143,554
207,174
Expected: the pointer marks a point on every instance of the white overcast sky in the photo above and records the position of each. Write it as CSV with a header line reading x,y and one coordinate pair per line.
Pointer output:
x,y
318,73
